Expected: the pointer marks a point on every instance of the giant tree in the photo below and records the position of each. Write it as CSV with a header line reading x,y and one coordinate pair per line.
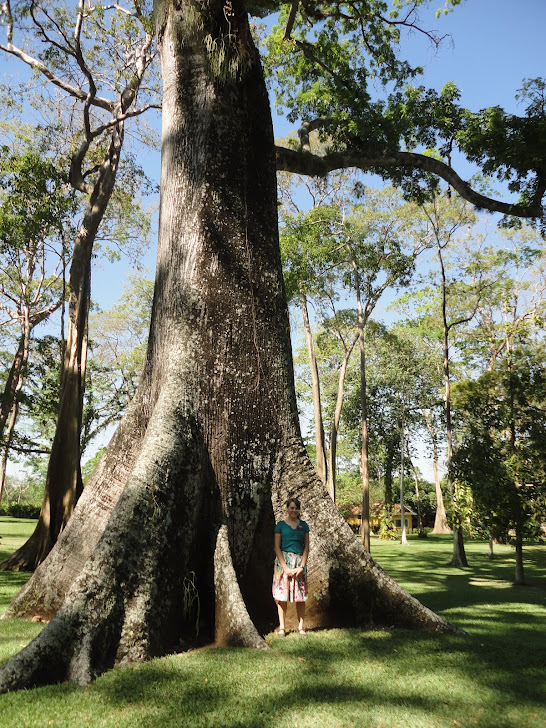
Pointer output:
x,y
210,447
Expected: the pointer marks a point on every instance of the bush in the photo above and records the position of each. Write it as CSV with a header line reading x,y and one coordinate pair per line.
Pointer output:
x,y
387,529
20,510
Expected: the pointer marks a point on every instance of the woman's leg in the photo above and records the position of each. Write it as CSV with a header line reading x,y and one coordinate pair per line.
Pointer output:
x,y
300,611
281,608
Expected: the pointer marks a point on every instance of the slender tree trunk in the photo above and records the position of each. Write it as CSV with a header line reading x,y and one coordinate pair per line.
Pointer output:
x,y
490,551
364,455
334,428
6,447
317,405
520,574
211,447
13,381
14,384
420,529
440,520
403,534
389,465
519,578
458,558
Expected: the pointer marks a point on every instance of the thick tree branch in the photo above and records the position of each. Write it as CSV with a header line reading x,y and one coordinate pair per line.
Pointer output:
x,y
291,19
306,163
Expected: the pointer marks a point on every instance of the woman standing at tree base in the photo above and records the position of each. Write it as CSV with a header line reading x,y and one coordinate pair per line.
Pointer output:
x,y
290,575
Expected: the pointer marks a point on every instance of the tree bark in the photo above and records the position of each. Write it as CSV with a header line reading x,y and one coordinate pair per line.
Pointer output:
x,y
210,450
389,466
322,469
10,407
490,549
6,446
16,380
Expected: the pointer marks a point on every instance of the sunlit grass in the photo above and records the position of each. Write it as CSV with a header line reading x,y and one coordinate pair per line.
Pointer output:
x,y
14,633
379,678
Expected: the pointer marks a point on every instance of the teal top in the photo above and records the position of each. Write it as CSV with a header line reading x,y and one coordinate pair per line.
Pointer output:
x,y
292,539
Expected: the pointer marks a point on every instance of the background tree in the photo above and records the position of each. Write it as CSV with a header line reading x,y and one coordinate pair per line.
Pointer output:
x,y
35,224
501,455
97,56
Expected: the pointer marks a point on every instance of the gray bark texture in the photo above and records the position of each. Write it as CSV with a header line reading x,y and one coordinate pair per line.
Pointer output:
x,y
184,501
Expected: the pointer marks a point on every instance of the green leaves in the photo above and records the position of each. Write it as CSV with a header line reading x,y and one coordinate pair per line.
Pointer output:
x,y
324,68
502,451
35,201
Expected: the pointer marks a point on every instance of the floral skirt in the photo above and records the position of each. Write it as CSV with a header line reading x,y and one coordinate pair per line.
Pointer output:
x,y
289,589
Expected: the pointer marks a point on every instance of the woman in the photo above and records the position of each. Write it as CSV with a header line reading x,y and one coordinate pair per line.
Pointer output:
x,y
290,577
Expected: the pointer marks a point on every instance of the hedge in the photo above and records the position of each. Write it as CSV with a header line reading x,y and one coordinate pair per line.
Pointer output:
x,y
20,510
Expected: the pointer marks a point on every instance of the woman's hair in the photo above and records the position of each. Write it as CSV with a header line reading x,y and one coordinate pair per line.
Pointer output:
x,y
294,500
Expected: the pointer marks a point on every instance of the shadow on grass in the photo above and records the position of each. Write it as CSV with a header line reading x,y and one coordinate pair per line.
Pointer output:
x,y
10,584
290,690
334,678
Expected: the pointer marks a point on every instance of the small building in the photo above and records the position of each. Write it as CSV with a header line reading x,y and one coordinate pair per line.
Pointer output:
x,y
376,509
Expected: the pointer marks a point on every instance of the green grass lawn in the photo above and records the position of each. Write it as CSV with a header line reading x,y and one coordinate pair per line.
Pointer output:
x,y
379,678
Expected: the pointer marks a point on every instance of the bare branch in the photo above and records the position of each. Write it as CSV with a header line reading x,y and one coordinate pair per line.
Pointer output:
x,y
128,115
74,91
47,38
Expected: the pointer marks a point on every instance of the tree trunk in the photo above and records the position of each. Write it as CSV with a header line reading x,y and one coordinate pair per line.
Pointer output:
x,y
403,534
6,446
519,579
13,382
317,405
389,466
420,529
210,449
364,455
64,481
458,558
10,405
334,428
440,520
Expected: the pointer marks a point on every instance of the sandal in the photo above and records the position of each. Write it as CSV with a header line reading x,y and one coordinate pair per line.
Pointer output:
x,y
280,633
302,632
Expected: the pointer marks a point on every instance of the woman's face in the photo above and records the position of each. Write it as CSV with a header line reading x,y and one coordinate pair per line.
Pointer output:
x,y
293,510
